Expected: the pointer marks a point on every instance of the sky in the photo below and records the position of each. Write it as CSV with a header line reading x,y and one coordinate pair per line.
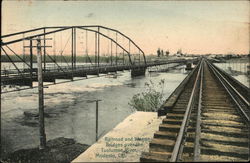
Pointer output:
x,y
196,27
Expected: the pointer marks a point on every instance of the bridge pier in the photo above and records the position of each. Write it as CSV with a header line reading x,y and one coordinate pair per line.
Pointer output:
x,y
139,71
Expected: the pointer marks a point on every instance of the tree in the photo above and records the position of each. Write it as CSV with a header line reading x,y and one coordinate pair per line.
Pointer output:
x,y
159,52
167,53
162,53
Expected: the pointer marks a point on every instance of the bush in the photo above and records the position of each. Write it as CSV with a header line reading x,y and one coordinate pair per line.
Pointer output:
x,y
150,100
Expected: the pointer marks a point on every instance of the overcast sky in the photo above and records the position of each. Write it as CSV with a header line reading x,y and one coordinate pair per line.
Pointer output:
x,y
195,27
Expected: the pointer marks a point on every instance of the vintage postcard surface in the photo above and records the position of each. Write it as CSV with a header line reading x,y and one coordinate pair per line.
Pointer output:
x,y
124,81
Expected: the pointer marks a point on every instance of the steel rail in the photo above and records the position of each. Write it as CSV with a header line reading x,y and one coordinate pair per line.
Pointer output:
x,y
198,121
232,79
179,141
232,87
236,91
227,87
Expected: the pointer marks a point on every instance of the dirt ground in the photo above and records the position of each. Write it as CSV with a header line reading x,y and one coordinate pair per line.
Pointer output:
x,y
59,150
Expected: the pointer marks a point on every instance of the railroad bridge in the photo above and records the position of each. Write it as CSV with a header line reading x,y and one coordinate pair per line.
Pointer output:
x,y
207,119
71,51
207,116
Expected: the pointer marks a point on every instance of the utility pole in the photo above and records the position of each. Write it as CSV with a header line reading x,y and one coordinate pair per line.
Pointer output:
x,y
72,51
40,84
31,64
44,51
98,47
74,48
116,49
23,51
95,49
41,94
111,53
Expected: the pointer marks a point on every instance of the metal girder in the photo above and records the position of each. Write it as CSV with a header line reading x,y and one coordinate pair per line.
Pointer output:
x,y
30,37
64,28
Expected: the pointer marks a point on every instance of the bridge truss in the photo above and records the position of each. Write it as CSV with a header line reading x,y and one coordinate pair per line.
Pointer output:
x,y
67,52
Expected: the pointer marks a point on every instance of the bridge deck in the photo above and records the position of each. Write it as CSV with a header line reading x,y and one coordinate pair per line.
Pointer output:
x,y
203,122
27,76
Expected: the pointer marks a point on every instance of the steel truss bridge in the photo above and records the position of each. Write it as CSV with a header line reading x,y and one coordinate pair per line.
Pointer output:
x,y
70,51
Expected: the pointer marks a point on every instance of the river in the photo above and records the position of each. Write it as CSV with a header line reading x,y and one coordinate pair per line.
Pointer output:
x,y
68,113
236,69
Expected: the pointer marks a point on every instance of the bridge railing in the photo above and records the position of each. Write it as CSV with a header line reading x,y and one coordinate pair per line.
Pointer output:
x,y
15,72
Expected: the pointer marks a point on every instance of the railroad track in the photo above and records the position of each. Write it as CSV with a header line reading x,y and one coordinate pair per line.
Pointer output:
x,y
209,121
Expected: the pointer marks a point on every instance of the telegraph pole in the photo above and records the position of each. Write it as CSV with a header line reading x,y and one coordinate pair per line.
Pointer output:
x,y
95,49
41,94
31,64
98,51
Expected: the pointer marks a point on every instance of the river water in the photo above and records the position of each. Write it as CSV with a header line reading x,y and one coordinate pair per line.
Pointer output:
x,y
236,69
68,113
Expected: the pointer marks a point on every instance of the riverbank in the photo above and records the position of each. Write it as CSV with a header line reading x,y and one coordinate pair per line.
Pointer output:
x,y
125,142
59,150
